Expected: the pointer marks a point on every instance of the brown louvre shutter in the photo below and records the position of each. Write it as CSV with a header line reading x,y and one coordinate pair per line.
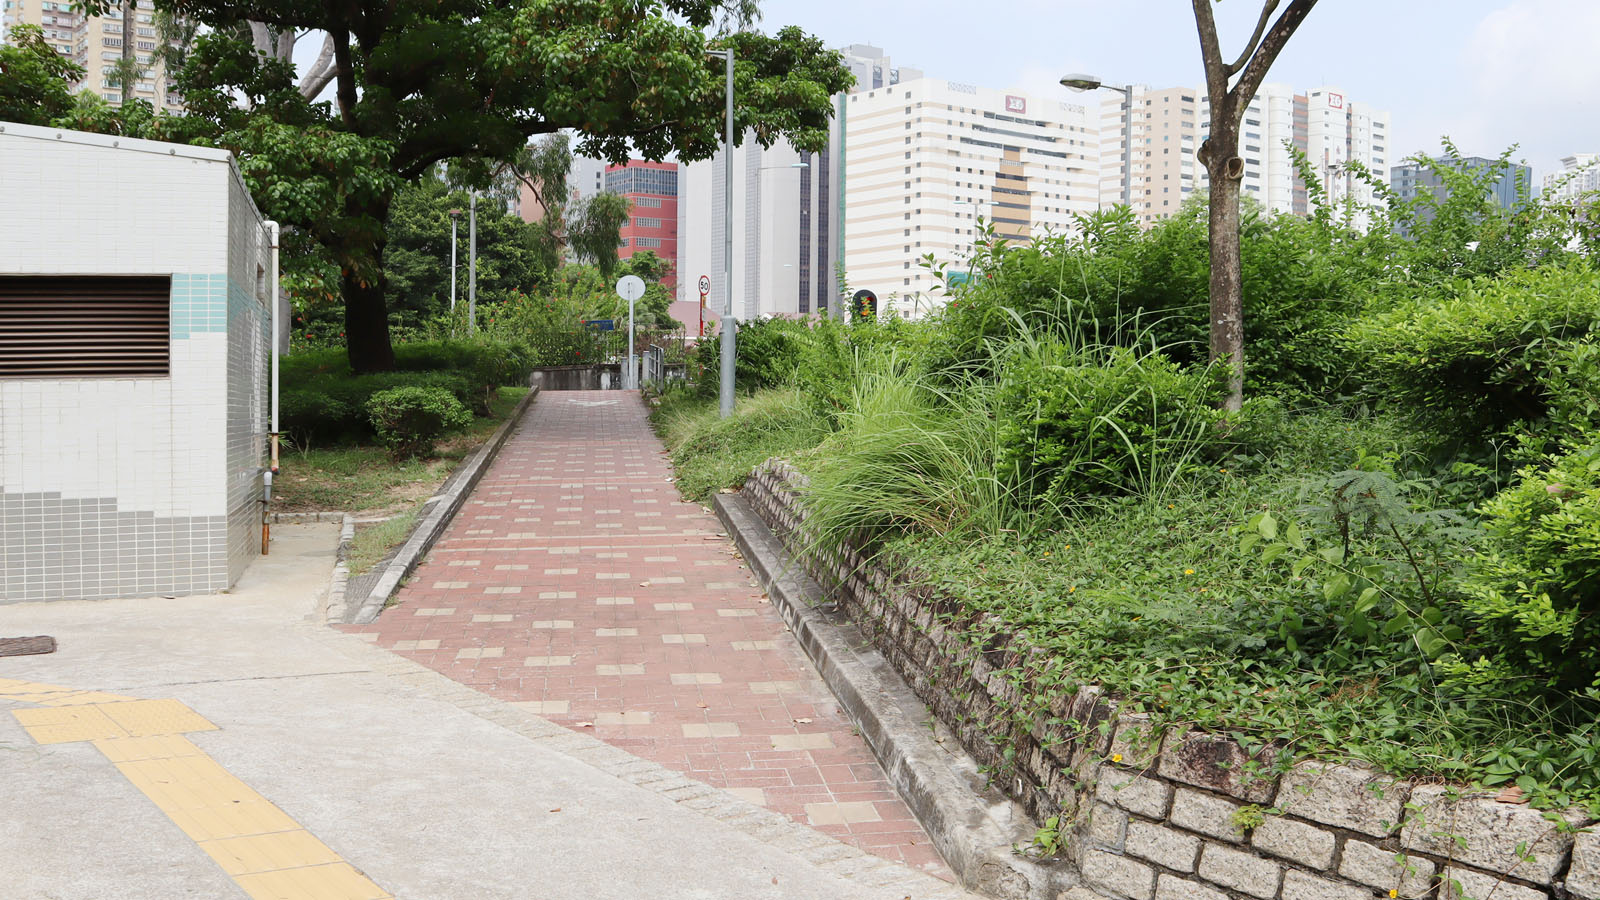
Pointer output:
x,y
85,326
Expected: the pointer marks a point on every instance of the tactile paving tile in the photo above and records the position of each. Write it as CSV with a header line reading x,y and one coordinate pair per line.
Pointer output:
x,y
67,724
142,718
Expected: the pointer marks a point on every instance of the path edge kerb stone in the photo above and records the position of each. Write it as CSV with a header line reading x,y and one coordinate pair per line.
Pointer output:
x,y
979,849
438,512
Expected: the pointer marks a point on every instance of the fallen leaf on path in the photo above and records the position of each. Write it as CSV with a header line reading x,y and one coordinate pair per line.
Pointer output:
x,y
803,721
1511,794
557,809
585,725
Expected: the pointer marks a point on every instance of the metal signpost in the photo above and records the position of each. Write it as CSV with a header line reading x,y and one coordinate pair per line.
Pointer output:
x,y
630,288
705,290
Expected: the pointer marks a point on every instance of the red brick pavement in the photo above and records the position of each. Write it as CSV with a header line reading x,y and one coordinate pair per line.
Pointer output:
x,y
577,581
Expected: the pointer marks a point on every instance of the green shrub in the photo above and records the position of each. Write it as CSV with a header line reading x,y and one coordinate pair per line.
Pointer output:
x,y
1471,362
711,453
1536,592
766,354
323,401
408,420
1114,422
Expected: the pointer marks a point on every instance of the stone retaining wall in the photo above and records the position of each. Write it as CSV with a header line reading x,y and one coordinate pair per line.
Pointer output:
x,y
1188,816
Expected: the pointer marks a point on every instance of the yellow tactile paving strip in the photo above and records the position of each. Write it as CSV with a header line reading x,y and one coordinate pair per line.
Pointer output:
x,y
266,853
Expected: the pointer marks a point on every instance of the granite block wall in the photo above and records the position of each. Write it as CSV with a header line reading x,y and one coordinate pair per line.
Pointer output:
x,y
1173,815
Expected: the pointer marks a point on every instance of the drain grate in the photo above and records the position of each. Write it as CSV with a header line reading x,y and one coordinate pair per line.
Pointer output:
x,y
27,646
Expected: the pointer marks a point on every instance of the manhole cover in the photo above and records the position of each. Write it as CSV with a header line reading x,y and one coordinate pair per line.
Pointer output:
x,y
27,646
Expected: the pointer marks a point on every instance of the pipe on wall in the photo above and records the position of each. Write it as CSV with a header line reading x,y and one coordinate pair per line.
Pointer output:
x,y
277,331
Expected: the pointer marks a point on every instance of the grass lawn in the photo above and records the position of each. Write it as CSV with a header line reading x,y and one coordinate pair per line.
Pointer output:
x,y
363,479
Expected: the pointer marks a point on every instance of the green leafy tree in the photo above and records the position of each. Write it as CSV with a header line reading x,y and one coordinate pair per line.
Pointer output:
x,y
512,256
417,82
34,79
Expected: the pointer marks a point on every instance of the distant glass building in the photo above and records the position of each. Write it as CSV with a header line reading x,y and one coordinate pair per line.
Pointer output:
x,y
1513,188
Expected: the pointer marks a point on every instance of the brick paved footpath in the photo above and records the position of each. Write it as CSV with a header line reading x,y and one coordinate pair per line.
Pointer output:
x,y
576,581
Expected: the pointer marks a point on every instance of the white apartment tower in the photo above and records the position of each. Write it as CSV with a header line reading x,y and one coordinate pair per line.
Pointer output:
x,y
1579,175
925,159
1325,125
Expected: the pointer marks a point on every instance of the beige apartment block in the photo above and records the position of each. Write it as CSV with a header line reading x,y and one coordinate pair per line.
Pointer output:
x,y
927,160
95,42
1166,128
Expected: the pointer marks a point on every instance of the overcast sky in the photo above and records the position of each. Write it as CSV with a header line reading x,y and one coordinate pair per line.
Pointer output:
x,y
1488,73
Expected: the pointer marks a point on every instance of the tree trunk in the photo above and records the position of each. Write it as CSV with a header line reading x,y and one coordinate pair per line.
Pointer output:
x,y
366,323
1227,289
361,284
127,52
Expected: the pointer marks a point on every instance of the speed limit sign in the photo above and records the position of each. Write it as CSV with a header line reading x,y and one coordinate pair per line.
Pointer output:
x,y
705,284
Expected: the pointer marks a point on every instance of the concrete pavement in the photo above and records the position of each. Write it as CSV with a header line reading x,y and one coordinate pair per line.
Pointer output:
x,y
419,786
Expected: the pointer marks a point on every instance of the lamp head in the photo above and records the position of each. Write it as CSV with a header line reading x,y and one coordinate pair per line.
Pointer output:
x,y
1078,81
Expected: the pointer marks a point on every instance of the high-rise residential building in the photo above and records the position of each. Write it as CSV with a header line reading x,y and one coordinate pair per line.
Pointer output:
x,y
95,42
784,220
651,189
1513,187
1325,125
1166,128
1579,176
925,159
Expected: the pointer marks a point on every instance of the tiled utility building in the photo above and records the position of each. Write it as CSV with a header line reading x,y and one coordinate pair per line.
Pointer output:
x,y
134,367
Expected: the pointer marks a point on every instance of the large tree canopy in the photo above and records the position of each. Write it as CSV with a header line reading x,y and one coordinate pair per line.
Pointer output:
x,y
34,78
421,81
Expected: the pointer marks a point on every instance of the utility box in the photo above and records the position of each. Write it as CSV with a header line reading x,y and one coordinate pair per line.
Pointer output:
x,y
135,334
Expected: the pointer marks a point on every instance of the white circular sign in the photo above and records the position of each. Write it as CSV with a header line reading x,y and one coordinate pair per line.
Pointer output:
x,y
630,287
705,284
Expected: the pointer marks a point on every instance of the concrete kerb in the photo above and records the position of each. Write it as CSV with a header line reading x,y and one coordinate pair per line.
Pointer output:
x,y
335,608
975,835
438,510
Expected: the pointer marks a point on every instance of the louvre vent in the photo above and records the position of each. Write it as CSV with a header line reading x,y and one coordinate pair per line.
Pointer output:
x,y
85,326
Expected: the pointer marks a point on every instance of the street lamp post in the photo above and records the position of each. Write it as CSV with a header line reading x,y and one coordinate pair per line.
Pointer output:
x,y
472,264
455,216
730,328
1081,82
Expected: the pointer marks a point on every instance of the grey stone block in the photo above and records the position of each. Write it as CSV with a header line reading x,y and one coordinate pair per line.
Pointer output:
x,y
1108,826
1343,796
1135,793
1171,887
1386,870
1218,764
1583,879
1294,841
1162,845
1300,886
1206,814
1507,838
1240,871
1119,875
1465,884
1135,742
1081,893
